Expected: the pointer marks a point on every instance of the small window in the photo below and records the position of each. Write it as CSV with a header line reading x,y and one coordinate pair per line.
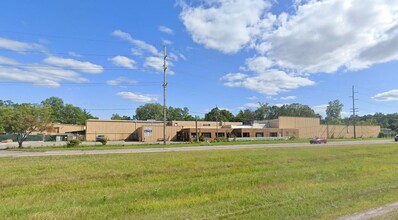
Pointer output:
x,y
273,134
206,125
259,134
206,135
220,135
193,135
246,134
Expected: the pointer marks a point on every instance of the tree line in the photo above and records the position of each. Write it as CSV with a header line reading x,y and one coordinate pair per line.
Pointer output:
x,y
14,118
23,119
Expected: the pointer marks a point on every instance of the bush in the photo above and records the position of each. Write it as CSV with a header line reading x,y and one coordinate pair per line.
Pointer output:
x,y
73,143
103,141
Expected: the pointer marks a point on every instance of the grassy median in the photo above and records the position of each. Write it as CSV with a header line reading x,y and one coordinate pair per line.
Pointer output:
x,y
140,145
275,183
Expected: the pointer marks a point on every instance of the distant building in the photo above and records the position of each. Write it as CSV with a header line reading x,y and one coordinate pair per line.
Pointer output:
x,y
283,127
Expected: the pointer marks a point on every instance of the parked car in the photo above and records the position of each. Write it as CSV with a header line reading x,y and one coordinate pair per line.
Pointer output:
x,y
318,140
396,137
100,137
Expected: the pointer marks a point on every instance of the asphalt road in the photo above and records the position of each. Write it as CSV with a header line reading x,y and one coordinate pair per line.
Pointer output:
x,y
7,153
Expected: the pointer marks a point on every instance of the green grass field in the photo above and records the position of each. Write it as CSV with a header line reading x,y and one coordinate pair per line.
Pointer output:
x,y
275,183
128,145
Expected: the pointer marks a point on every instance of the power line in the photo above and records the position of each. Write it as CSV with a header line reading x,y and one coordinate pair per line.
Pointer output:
x,y
82,83
55,36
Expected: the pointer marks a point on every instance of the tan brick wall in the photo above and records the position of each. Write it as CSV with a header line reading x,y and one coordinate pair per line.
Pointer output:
x,y
115,129
157,133
311,127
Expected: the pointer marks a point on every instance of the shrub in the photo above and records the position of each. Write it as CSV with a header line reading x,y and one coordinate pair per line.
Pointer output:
x,y
73,143
103,141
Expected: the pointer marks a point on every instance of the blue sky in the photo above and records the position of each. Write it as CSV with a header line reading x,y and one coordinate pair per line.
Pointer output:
x,y
106,56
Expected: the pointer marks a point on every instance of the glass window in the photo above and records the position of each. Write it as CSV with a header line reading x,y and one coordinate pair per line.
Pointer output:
x,y
206,135
259,134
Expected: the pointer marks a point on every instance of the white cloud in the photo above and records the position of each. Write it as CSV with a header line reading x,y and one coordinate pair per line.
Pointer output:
x,y
156,63
252,105
351,34
258,64
224,25
40,75
74,54
316,37
137,97
182,56
123,62
141,45
7,61
18,46
86,67
320,109
388,96
267,83
166,30
289,98
167,42
234,76
252,98
136,52
121,80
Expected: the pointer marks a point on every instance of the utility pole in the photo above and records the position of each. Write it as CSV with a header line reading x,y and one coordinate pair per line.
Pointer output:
x,y
353,111
216,122
164,93
196,126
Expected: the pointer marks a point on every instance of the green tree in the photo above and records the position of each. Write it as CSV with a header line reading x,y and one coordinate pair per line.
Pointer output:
x,y
66,114
296,110
273,112
24,119
4,103
149,111
246,116
118,117
219,115
57,106
333,112
262,112
179,114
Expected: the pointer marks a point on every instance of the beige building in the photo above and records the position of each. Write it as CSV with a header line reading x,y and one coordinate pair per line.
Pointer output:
x,y
65,128
311,127
283,127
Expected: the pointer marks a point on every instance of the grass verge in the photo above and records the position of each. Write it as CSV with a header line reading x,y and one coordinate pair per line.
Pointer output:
x,y
175,144
274,183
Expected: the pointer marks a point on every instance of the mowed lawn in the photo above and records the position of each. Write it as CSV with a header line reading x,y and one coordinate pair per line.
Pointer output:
x,y
275,183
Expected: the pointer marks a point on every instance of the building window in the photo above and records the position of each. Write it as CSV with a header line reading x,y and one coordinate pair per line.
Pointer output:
x,y
206,135
259,134
273,134
220,135
246,134
193,135
206,125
